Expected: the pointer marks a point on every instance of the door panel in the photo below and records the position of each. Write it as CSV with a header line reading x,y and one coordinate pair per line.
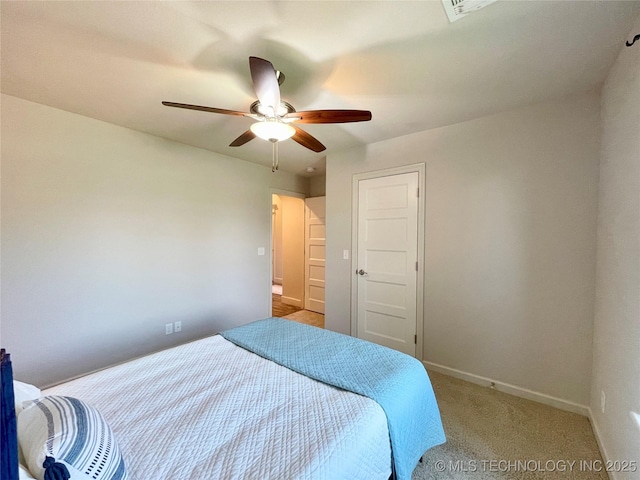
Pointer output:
x,y
314,253
293,211
387,252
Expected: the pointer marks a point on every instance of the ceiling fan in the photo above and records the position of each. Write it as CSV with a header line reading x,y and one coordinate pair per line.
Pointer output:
x,y
275,117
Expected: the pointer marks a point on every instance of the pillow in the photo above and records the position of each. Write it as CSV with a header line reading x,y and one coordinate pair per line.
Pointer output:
x,y
24,474
24,392
64,438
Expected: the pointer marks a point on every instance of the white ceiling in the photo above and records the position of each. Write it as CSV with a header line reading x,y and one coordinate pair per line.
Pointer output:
x,y
116,61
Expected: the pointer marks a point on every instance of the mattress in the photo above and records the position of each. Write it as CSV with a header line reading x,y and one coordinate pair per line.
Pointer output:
x,y
396,381
210,409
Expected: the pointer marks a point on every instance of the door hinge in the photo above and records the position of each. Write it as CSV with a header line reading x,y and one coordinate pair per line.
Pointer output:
x,y
415,339
418,192
416,266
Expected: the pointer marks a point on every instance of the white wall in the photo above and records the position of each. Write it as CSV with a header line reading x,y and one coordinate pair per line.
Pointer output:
x,y
109,233
318,186
510,242
616,359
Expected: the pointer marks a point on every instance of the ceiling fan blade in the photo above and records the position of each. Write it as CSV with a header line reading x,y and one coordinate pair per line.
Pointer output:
x,y
331,116
205,109
265,82
242,139
307,140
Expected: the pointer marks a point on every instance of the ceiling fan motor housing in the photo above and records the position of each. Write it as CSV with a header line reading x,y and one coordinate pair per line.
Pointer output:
x,y
259,109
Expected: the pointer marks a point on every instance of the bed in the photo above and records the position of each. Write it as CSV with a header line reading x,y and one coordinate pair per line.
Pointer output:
x,y
273,399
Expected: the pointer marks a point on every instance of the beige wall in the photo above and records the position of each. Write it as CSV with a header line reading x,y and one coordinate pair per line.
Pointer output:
x,y
109,233
511,202
616,359
277,239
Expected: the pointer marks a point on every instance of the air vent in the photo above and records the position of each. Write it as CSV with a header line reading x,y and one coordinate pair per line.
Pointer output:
x,y
457,9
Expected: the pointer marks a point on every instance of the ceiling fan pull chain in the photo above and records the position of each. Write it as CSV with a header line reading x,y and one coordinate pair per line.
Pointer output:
x,y
275,161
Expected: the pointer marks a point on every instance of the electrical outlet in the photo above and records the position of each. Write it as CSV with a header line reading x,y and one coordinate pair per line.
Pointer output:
x,y
603,400
177,326
168,329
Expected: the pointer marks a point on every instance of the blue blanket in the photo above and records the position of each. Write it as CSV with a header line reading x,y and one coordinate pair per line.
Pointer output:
x,y
398,382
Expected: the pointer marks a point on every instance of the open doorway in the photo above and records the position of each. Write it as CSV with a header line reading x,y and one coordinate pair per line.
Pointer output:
x,y
287,254
294,282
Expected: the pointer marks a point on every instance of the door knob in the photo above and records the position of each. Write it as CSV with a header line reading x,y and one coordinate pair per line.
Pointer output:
x,y
361,272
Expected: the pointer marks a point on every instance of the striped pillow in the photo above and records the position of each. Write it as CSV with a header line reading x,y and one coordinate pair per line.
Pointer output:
x,y
64,438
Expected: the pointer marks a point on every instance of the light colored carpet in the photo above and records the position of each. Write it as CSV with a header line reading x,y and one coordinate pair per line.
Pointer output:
x,y
493,435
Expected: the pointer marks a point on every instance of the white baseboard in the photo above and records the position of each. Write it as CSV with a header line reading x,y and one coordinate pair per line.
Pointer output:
x,y
603,451
511,389
296,302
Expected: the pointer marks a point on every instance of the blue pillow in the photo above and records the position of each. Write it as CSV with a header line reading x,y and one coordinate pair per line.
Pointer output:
x,y
64,438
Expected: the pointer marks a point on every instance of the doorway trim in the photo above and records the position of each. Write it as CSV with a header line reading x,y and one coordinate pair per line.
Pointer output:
x,y
420,168
286,193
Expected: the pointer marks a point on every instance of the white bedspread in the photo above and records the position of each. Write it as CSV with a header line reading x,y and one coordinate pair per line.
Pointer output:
x,y
211,410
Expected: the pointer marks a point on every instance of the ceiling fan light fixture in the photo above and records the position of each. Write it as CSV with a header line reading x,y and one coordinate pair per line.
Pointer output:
x,y
273,130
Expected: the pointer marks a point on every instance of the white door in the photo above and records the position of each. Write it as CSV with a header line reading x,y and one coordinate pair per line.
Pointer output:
x,y
292,251
387,256
314,258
